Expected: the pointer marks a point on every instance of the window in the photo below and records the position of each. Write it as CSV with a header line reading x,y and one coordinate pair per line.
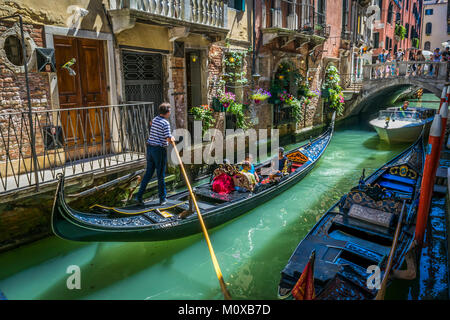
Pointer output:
x,y
380,5
407,4
429,12
398,17
407,30
389,16
13,49
386,46
237,4
427,45
376,40
428,28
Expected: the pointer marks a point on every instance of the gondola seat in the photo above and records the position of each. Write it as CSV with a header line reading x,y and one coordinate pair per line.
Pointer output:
x,y
295,166
404,180
217,197
396,186
371,215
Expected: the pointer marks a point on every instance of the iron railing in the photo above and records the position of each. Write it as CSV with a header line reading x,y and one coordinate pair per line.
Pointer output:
x,y
72,141
395,69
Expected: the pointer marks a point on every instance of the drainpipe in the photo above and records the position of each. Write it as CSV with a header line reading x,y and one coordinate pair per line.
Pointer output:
x,y
254,38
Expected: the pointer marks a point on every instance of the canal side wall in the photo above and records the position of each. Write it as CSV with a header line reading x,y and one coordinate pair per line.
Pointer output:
x,y
25,214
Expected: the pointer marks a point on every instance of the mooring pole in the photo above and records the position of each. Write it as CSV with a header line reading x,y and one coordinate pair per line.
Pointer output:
x,y
443,97
426,188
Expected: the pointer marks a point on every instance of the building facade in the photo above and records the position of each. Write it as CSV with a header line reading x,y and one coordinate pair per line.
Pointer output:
x,y
396,26
435,30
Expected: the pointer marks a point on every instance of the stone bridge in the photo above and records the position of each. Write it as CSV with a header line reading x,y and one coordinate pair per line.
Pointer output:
x,y
382,79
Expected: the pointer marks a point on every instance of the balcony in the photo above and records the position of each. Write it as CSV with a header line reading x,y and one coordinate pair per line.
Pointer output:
x,y
293,20
198,16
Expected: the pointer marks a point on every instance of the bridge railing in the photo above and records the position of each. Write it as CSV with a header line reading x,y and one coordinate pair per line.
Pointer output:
x,y
402,69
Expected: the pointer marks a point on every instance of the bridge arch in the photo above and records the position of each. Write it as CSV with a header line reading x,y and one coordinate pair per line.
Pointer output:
x,y
372,89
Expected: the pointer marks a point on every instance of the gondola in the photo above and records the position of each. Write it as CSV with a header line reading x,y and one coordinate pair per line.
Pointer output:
x,y
152,222
357,232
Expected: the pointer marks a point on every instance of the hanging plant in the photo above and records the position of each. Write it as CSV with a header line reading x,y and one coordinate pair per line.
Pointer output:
x,y
331,91
400,31
259,95
204,114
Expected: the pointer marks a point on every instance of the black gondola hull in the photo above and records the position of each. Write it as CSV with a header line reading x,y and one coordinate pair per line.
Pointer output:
x,y
70,224
65,226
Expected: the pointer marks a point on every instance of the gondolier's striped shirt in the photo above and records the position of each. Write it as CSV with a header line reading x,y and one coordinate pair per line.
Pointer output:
x,y
159,132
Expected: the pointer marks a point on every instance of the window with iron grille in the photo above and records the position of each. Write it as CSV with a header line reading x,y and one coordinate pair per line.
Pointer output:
x,y
143,76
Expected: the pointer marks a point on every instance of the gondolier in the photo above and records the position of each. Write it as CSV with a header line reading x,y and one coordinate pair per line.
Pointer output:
x,y
157,143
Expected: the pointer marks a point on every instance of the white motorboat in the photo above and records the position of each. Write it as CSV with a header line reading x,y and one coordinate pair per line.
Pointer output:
x,y
395,125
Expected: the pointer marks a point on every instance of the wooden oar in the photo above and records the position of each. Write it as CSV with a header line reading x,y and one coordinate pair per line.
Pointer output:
x,y
382,291
225,292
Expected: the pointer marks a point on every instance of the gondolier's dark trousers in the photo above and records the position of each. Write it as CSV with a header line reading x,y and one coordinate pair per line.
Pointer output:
x,y
156,160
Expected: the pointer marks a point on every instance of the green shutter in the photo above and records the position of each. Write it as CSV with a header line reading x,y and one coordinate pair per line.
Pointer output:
x,y
241,5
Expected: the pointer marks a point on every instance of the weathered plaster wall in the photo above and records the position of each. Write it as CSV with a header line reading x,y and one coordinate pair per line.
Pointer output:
x,y
59,13
238,24
334,19
146,36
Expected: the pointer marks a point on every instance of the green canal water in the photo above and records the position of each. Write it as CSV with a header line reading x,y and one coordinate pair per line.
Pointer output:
x,y
251,249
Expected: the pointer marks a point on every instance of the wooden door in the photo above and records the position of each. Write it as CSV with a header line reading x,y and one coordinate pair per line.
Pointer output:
x,y
86,130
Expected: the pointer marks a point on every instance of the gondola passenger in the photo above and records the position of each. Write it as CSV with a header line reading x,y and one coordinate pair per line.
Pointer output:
x,y
281,170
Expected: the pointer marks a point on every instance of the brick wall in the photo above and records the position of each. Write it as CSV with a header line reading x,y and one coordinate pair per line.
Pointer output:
x,y
13,98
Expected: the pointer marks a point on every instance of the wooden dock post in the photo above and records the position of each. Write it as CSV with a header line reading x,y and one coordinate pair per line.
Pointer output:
x,y
426,189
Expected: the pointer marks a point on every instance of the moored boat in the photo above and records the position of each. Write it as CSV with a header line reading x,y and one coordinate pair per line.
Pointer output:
x,y
356,234
152,222
395,125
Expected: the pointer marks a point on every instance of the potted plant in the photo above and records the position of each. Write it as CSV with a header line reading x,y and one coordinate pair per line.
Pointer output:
x,y
204,114
294,103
